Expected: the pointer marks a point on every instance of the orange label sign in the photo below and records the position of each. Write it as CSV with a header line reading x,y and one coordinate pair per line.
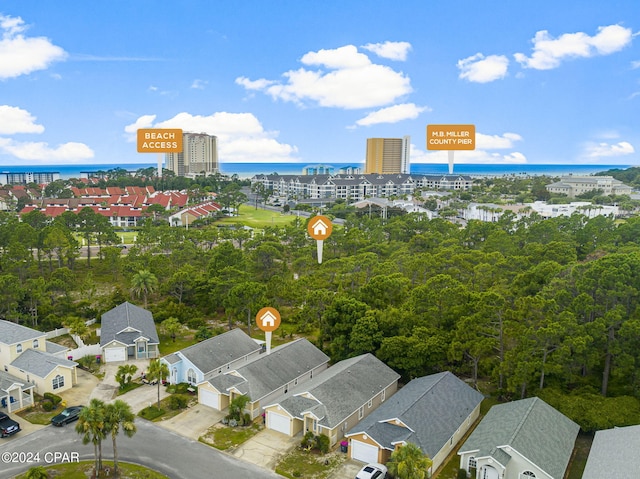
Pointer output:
x,y
159,140
451,137
319,227
268,319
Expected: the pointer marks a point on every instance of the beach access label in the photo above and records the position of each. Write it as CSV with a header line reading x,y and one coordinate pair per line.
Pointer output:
x,y
451,137
160,140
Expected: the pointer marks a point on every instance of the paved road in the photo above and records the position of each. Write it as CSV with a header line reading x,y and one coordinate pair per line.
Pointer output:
x,y
152,446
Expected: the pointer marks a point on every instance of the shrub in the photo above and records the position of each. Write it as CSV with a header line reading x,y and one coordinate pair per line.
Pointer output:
x,y
54,398
308,440
150,413
47,405
246,419
178,401
323,443
462,474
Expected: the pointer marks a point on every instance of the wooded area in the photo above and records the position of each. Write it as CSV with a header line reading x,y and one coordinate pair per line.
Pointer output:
x,y
527,307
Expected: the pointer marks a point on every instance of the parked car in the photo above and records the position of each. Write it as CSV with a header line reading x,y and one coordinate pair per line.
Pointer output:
x,y
372,471
7,425
70,414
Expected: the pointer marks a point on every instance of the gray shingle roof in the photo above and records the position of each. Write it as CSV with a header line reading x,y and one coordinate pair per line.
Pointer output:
x,y
432,406
7,380
268,373
343,388
127,322
530,426
53,348
39,363
215,352
12,333
614,453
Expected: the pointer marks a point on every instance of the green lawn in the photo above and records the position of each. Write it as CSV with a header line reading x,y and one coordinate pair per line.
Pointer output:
x,y
83,469
309,465
225,437
258,218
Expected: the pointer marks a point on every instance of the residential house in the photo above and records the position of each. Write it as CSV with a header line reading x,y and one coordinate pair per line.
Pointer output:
x,y
433,412
614,453
32,364
574,185
15,393
213,356
128,332
335,400
525,439
266,377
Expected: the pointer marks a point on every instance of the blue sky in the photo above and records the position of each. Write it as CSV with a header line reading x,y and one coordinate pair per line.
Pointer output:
x,y
553,82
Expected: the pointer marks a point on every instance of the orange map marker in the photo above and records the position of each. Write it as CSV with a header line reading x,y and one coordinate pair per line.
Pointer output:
x,y
268,320
320,228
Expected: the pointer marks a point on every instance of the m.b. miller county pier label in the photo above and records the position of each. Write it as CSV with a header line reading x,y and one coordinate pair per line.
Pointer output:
x,y
451,137
159,140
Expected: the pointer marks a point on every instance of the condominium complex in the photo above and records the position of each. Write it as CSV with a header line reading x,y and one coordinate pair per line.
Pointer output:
x,y
387,155
357,187
574,185
199,156
24,178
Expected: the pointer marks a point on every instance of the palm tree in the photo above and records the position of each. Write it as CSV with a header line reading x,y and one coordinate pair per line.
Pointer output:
x,y
118,416
158,371
91,425
408,462
37,472
143,283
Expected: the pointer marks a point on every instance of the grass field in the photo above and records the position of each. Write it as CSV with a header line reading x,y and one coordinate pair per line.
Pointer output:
x,y
258,218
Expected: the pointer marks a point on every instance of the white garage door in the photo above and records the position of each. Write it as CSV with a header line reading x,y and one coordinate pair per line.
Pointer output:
x,y
114,354
364,452
279,423
210,398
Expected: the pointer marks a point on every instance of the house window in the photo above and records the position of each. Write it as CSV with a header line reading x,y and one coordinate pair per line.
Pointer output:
x,y
370,403
360,412
383,395
58,382
473,464
19,348
527,475
36,343
191,376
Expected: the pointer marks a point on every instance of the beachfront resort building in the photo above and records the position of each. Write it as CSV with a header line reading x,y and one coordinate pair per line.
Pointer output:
x,y
574,185
387,155
199,156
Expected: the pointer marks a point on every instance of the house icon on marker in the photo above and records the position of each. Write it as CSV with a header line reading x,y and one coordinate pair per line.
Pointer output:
x,y
320,228
268,320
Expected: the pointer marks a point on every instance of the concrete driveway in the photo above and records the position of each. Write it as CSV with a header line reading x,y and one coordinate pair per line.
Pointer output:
x,y
193,422
265,448
348,470
80,394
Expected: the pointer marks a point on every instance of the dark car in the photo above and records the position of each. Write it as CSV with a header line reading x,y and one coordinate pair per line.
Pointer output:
x,y
8,426
68,415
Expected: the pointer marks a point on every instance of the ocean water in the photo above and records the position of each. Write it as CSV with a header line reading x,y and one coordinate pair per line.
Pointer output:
x,y
247,170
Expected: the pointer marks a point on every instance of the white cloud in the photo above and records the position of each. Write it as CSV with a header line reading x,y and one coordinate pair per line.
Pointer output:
x,y
241,136
145,121
42,152
391,50
199,84
481,69
549,52
16,120
392,114
606,150
20,55
495,142
635,65
352,81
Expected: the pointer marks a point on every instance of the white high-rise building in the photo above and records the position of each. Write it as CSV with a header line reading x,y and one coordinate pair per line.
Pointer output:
x,y
199,156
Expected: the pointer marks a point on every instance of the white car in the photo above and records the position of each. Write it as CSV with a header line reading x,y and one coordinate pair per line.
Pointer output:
x,y
372,471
